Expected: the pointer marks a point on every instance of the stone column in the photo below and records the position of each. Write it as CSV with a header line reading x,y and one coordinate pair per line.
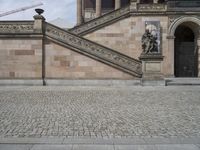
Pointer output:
x,y
98,8
117,4
155,1
83,10
79,12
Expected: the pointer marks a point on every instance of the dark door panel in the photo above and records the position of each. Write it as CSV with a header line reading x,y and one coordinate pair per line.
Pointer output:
x,y
185,59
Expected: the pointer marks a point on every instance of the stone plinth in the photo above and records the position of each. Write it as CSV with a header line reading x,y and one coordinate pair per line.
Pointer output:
x,y
38,23
152,69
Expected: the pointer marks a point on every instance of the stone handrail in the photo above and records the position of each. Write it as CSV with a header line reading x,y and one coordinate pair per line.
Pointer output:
x,y
152,7
94,50
100,21
19,27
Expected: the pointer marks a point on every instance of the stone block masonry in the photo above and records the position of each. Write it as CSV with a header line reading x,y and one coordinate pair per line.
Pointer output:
x,y
125,36
20,58
66,64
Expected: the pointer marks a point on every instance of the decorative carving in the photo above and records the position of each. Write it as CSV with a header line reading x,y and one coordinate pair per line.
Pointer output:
x,y
16,27
151,7
172,18
106,55
100,20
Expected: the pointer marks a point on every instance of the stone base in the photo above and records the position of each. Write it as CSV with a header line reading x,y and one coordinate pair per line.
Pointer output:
x,y
182,81
152,67
160,82
21,82
63,82
152,70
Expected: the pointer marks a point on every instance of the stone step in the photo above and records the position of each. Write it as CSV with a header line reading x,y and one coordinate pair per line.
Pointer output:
x,y
182,81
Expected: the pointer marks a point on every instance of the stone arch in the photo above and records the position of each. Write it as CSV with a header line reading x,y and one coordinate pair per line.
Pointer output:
x,y
181,20
192,22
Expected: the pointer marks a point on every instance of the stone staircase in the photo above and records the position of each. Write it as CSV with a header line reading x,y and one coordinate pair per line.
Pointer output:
x,y
94,50
102,21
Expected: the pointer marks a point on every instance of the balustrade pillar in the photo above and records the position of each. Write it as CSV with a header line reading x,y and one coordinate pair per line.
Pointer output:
x,y
117,4
98,8
79,12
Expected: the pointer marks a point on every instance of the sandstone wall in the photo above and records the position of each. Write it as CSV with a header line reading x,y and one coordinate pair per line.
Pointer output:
x,y
125,36
67,64
20,58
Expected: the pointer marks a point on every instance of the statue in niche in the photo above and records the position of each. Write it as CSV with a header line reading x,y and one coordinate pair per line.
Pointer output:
x,y
149,42
151,38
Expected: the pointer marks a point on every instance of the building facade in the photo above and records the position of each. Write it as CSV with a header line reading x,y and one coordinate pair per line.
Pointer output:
x,y
147,39
89,7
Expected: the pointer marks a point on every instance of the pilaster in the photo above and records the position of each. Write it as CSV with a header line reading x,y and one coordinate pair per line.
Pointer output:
x,y
198,46
171,52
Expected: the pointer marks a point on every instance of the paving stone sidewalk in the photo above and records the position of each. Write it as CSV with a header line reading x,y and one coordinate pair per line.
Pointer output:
x,y
100,112
99,147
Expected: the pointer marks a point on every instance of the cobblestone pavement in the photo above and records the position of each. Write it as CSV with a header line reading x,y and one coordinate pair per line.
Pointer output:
x,y
101,112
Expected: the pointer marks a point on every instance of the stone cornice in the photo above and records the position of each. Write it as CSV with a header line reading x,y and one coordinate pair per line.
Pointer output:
x,y
152,7
94,50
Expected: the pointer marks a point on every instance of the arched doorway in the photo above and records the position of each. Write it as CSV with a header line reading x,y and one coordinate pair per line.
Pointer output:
x,y
186,53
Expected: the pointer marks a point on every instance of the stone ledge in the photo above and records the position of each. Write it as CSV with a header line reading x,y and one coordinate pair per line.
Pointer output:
x,y
61,82
159,82
182,81
23,82
102,141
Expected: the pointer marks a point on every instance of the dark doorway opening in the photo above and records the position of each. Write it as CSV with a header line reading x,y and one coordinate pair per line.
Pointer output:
x,y
186,58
